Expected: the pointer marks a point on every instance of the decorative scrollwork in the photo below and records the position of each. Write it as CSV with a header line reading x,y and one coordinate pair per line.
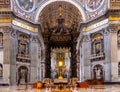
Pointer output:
x,y
86,38
113,28
6,30
14,33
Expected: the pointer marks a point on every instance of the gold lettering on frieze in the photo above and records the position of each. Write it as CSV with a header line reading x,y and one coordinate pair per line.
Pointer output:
x,y
22,25
85,29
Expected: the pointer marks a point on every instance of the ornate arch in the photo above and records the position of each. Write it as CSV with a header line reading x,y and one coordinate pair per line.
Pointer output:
x,y
44,4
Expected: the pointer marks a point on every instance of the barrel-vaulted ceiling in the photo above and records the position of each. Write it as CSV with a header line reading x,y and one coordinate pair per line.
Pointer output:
x,y
58,9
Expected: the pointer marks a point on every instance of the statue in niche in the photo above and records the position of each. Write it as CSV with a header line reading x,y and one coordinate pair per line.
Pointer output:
x,y
97,43
22,76
98,72
98,48
23,45
22,49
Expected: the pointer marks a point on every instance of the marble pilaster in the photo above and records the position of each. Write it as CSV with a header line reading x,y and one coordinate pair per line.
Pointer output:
x,y
7,54
86,56
34,59
107,61
114,62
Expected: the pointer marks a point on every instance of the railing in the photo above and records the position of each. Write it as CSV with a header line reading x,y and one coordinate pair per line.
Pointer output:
x,y
99,56
23,58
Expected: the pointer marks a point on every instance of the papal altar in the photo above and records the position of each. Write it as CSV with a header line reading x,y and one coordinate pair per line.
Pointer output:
x,y
64,80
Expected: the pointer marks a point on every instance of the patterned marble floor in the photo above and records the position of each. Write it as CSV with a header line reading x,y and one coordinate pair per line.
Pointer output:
x,y
100,88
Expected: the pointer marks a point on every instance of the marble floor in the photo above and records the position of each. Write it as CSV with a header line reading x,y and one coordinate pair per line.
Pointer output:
x,y
100,88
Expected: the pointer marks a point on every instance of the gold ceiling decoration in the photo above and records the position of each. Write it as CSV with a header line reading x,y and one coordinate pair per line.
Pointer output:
x,y
55,10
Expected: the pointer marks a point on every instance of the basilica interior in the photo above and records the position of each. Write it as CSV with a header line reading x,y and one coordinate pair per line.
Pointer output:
x,y
59,43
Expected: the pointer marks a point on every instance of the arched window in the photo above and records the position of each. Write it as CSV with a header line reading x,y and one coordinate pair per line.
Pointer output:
x,y
118,39
1,70
1,39
97,44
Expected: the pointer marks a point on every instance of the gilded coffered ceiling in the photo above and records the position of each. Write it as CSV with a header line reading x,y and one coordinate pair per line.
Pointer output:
x,y
60,9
